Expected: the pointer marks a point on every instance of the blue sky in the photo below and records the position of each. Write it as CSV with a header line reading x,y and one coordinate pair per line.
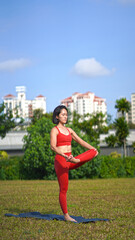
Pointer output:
x,y
56,48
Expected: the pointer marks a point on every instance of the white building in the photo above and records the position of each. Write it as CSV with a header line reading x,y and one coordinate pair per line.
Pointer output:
x,y
24,107
133,107
85,103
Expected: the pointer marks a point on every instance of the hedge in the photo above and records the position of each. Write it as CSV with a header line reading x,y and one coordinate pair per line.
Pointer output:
x,y
100,167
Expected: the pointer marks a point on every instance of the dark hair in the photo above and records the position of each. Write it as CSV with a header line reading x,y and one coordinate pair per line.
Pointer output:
x,y
56,112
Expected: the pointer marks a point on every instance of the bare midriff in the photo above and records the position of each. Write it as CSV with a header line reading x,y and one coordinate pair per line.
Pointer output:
x,y
65,148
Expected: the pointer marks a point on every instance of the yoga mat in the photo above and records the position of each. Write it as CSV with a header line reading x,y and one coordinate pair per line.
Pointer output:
x,y
79,219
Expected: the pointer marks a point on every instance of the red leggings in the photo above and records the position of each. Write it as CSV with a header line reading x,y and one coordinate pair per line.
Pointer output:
x,y
62,168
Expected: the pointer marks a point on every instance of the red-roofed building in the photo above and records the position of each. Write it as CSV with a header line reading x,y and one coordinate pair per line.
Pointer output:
x,y
9,96
84,103
25,107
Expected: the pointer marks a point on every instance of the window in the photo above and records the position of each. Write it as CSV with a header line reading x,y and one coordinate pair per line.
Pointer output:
x,y
10,105
19,104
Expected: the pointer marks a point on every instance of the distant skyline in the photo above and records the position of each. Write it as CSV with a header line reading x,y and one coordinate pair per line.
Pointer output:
x,y
56,48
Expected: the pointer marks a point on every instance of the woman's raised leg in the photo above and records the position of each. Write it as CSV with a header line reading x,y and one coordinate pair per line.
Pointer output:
x,y
84,157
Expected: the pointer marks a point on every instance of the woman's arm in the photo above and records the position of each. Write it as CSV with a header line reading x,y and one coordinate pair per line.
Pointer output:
x,y
80,141
53,143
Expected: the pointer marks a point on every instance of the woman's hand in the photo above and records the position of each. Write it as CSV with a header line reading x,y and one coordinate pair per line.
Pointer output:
x,y
68,158
72,159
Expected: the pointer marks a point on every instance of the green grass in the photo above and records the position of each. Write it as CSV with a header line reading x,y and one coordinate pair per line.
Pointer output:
x,y
106,198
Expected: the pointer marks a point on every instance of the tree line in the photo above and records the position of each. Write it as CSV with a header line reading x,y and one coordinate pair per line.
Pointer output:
x,y
91,125
38,159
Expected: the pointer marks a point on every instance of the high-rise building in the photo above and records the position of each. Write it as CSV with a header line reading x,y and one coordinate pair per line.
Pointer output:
x,y
85,103
23,106
133,107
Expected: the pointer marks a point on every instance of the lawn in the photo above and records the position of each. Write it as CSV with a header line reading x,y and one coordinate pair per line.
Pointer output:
x,y
100,198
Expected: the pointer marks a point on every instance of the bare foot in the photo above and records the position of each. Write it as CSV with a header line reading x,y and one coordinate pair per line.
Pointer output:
x,y
73,160
68,218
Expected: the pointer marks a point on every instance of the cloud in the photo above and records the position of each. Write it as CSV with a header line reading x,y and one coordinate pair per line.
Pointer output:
x,y
14,64
89,68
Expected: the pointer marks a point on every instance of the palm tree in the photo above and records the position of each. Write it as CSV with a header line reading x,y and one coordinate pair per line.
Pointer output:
x,y
122,105
122,131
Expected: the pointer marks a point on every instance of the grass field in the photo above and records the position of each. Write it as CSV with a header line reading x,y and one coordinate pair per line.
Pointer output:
x,y
104,198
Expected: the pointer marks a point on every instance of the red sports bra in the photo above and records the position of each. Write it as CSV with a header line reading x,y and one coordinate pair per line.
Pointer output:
x,y
63,139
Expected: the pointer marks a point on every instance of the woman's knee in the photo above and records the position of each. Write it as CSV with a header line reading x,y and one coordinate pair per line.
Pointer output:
x,y
95,152
63,189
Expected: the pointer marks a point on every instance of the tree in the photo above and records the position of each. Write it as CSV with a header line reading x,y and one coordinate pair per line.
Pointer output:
x,y
133,145
111,140
122,105
131,125
93,126
122,131
38,157
6,121
37,114
48,115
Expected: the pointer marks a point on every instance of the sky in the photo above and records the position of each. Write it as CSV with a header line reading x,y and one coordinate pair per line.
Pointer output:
x,y
56,48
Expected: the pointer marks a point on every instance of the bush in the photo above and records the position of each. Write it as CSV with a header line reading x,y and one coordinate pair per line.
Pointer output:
x,y
10,168
115,155
99,167
112,167
3,155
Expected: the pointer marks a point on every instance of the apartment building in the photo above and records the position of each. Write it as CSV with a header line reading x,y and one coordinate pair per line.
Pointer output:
x,y
85,103
24,107
133,107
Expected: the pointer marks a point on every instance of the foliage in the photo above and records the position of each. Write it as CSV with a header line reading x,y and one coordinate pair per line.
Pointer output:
x,y
10,168
115,155
6,121
111,140
38,157
77,148
37,114
112,166
88,170
109,119
121,126
131,125
122,130
122,105
133,144
3,155
91,124
49,115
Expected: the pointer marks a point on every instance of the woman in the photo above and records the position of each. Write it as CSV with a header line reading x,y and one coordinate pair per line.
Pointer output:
x,y
60,140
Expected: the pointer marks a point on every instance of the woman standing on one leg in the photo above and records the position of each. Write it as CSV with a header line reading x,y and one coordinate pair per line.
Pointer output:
x,y
60,140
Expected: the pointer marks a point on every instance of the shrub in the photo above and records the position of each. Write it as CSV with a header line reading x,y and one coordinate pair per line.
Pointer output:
x,y
3,155
99,167
10,168
115,155
117,167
